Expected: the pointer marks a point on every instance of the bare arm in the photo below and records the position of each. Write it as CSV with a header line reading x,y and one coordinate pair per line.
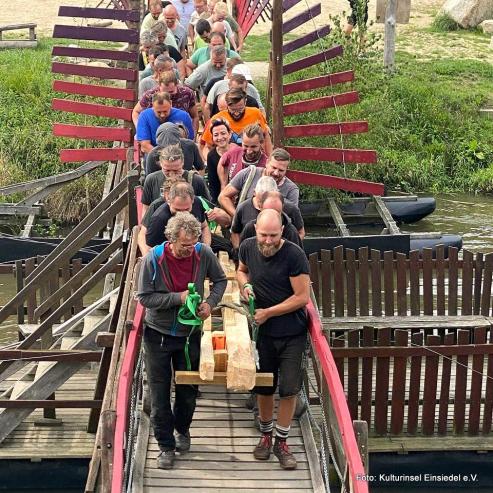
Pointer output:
x,y
235,240
226,199
141,241
222,173
190,64
268,144
136,112
241,38
221,217
182,69
242,278
146,146
301,233
206,112
194,115
206,233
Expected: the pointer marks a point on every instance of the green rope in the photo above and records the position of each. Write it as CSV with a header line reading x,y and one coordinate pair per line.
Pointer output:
x,y
187,315
255,328
207,208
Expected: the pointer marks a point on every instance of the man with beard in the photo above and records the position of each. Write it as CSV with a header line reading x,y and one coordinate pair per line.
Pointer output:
x,y
161,112
242,186
250,153
164,276
239,116
276,272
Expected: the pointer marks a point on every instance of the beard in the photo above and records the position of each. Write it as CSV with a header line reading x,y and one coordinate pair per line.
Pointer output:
x,y
237,117
268,250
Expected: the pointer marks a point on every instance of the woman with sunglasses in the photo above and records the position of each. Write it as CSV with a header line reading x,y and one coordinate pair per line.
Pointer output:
x,y
221,137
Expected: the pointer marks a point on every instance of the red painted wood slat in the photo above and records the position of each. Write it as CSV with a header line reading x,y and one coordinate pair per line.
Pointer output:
x,y
292,67
90,71
247,12
92,109
96,33
95,13
329,154
94,90
252,18
325,129
301,18
124,56
305,40
318,82
99,154
318,104
329,181
92,133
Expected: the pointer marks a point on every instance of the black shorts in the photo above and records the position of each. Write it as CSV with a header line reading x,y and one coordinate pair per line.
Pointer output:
x,y
282,356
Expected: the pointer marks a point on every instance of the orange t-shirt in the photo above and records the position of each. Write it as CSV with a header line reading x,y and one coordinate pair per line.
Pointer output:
x,y
251,115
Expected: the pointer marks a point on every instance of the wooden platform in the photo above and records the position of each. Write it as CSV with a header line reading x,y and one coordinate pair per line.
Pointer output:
x,y
70,440
223,439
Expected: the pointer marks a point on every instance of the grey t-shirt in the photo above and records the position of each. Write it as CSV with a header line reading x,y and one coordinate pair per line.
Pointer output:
x,y
288,189
222,87
203,74
154,182
246,212
180,34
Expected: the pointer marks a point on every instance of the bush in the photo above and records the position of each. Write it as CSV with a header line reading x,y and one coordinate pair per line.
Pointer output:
x,y
444,23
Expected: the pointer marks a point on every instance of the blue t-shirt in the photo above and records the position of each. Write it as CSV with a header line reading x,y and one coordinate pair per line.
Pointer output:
x,y
148,124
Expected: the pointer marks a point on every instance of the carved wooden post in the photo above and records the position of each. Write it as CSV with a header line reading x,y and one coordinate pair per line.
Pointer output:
x,y
276,75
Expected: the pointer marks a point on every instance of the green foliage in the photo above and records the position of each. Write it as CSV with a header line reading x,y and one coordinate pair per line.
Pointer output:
x,y
444,23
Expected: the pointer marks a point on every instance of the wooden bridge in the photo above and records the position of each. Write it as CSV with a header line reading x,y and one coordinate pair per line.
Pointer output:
x,y
399,345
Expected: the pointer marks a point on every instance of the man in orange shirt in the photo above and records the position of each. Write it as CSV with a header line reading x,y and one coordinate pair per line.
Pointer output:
x,y
239,116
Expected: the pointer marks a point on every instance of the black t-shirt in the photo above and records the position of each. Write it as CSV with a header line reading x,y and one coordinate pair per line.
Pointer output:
x,y
191,157
250,102
212,177
208,86
269,277
154,182
150,211
288,233
173,53
246,212
159,220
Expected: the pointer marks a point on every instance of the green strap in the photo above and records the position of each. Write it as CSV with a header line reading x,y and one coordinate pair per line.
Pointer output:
x,y
207,208
187,315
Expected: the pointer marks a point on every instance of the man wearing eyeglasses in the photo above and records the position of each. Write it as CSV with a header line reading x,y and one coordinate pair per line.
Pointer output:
x,y
239,116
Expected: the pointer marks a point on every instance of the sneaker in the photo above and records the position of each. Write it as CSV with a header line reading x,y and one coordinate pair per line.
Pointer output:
x,y
251,401
166,459
286,458
182,442
263,448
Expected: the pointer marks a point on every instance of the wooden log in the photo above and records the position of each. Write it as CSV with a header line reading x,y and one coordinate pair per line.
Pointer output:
x,y
93,90
76,52
99,13
318,82
329,181
362,156
206,367
301,18
92,109
106,73
95,33
220,378
305,40
311,60
99,153
318,104
316,129
92,132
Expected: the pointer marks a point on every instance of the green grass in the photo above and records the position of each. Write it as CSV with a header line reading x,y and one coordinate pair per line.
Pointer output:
x,y
444,23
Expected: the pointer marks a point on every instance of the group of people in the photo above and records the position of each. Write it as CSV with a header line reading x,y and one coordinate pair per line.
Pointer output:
x,y
227,177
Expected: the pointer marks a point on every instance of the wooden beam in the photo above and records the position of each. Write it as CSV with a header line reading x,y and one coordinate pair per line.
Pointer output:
x,y
105,339
96,33
104,154
311,60
276,64
49,355
98,13
220,378
206,367
317,104
328,181
301,18
77,52
107,73
92,132
19,210
386,216
93,90
318,82
336,216
363,156
92,109
288,4
315,129
305,40
49,404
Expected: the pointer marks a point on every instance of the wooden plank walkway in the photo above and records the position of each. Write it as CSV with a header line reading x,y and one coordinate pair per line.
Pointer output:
x,y
223,439
70,440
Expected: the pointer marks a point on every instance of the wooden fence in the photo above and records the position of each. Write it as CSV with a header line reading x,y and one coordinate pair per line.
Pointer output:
x,y
349,283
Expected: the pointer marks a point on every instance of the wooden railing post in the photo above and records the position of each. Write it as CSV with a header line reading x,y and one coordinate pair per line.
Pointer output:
x,y
19,282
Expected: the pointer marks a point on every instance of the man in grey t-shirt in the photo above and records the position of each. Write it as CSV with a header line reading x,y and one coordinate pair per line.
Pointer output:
x,y
214,68
276,166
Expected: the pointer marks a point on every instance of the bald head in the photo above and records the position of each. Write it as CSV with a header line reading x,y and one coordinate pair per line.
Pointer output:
x,y
268,229
218,27
269,219
272,200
